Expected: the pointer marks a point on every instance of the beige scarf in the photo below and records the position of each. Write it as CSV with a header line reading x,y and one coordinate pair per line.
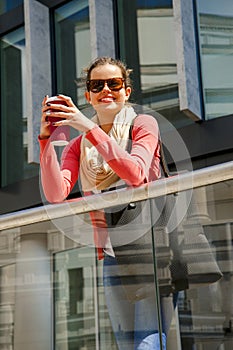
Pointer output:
x,y
95,173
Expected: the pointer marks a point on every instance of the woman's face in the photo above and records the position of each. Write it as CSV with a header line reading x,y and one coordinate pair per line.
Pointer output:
x,y
107,99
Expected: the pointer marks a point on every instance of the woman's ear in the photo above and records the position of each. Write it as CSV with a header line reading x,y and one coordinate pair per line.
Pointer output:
x,y
87,96
128,92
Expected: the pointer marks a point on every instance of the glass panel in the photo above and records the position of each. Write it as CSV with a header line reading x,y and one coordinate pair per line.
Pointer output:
x,y
73,50
14,144
88,292
215,22
6,5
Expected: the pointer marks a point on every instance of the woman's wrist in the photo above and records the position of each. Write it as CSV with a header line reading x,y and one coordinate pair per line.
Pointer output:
x,y
89,126
44,137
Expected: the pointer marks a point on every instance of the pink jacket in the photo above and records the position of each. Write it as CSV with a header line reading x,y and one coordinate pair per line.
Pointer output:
x,y
136,168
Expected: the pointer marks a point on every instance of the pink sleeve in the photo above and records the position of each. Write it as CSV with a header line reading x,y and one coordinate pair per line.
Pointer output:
x,y
57,182
133,168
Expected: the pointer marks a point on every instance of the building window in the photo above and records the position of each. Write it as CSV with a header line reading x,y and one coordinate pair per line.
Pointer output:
x,y
14,144
215,25
72,48
149,49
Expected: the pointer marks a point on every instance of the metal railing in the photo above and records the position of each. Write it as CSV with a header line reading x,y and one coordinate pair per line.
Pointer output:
x,y
181,182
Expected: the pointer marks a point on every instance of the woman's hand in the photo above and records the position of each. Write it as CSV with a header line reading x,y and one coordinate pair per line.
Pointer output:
x,y
69,114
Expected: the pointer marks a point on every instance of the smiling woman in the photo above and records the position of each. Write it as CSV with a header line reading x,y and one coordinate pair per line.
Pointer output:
x,y
117,147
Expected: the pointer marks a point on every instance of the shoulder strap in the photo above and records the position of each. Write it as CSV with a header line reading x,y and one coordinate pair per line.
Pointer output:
x,y
163,161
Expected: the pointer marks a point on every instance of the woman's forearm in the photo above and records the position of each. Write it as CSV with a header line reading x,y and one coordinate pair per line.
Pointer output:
x,y
56,184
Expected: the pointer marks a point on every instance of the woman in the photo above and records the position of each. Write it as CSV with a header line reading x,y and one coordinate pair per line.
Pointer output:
x,y
100,157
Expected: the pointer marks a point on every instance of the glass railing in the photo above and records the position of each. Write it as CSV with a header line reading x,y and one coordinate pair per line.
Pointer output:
x,y
172,276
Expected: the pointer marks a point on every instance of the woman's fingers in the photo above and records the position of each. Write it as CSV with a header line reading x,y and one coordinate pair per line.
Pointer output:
x,y
55,108
67,99
44,100
63,114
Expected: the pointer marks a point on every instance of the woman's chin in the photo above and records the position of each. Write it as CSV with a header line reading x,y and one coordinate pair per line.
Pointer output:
x,y
111,107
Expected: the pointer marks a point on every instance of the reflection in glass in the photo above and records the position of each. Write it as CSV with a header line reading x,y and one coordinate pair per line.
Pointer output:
x,y
149,49
204,234
7,305
215,22
206,310
81,320
14,143
157,54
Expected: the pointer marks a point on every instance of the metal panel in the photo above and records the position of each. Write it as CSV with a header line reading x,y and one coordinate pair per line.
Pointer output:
x,y
38,58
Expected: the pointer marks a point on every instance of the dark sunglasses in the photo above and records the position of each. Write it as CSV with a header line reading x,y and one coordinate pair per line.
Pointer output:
x,y
96,85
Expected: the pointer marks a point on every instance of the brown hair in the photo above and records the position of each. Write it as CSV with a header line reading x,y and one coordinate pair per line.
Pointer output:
x,y
101,61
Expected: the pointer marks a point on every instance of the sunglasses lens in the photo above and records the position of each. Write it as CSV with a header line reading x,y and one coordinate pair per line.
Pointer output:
x,y
115,84
96,85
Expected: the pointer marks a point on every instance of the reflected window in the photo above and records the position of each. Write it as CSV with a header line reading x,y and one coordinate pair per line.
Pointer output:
x,y
81,319
14,142
7,305
215,23
72,48
157,55
156,48
149,49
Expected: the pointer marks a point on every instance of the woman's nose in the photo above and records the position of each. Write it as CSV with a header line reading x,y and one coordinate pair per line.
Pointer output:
x,y
106,87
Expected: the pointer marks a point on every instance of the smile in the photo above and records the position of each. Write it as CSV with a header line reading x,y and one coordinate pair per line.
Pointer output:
x,y
107,99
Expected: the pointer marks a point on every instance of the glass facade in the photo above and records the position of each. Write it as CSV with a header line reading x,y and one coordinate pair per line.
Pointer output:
x,y
156,83
14,142
215,24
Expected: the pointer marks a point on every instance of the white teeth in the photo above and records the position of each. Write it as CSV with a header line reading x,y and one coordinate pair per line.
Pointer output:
x,y
107,99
